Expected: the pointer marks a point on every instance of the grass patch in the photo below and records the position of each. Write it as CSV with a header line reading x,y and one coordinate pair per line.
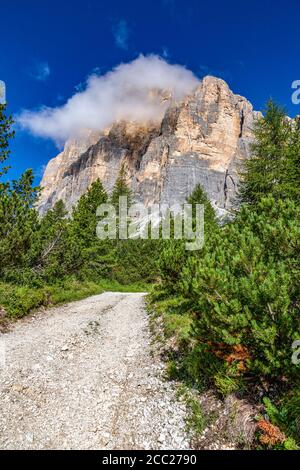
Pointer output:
x,y
177,324
196,421
18,301
115,286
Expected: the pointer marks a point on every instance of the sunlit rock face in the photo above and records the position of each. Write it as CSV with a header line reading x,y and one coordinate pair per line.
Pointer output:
x,y
202,139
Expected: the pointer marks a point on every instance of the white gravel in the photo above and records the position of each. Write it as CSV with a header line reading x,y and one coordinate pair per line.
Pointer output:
x,y
82,376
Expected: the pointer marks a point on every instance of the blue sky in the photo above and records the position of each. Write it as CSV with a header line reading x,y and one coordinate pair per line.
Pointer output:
x,y
49,48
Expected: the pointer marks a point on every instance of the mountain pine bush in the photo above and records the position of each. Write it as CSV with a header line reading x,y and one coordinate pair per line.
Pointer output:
x,y
174,255
244,289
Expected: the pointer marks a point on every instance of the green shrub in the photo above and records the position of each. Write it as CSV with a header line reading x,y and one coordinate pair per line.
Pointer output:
x,y
171,262
18,301
244,288
225,384
286,415
135,261
174,255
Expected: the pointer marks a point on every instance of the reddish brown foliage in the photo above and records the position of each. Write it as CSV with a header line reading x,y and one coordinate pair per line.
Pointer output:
x,y
237,353
271,434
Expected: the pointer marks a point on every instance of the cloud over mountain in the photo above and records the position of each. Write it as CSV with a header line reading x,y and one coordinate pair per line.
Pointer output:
x,y
131,91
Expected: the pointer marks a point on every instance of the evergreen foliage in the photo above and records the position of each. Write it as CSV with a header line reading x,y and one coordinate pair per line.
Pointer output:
x,y
174,254
136,259
121,189
49,255
274,167
92,257
6,133
244,288
18,224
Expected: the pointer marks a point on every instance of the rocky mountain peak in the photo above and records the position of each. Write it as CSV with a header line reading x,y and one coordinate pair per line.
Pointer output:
x,y
201,139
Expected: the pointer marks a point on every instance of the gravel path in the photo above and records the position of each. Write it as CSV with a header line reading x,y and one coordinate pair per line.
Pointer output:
x,y
82,376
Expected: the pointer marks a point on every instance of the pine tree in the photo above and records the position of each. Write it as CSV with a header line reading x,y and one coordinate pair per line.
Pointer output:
x,y
174,255
84,214
94,256
121,189
274,165
135,259
244,289
18,217
51,253
199,196
6,133
18,223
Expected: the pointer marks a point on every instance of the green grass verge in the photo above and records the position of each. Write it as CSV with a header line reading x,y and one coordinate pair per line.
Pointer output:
x,y
176,323
18,301
196,421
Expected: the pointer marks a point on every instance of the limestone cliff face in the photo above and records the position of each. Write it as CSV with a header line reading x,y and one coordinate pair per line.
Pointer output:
x,y
199,140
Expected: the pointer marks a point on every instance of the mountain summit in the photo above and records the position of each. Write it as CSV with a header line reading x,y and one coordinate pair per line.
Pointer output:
x,y
201,139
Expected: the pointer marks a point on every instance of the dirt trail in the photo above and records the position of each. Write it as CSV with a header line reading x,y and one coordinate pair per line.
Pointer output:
x,y
82,376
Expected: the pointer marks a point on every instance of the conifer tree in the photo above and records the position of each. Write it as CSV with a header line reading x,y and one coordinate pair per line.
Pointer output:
x,y
273,168
135,259
94,256
6,133
18,222
174,254
244,288
84,218
199,196
51,252
121,189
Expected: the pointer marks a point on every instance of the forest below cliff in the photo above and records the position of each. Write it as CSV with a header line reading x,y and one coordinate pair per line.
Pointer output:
x,y
232,307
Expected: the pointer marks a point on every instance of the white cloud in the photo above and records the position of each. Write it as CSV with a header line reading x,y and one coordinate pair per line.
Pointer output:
x,y
40,71
121,34
126,92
